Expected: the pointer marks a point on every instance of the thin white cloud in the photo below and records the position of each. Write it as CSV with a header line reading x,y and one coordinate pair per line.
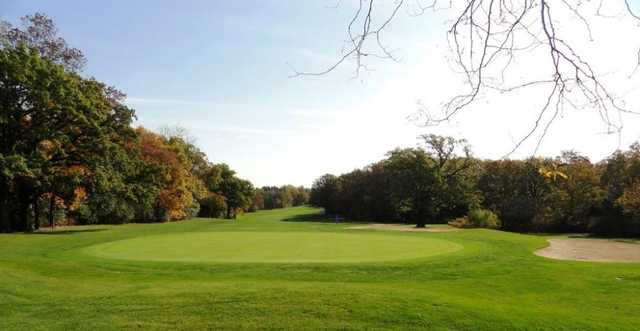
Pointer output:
x,y
167,101
312,55
241,130
316,114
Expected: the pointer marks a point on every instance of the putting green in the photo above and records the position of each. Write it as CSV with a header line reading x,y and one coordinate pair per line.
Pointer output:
x,y
273,247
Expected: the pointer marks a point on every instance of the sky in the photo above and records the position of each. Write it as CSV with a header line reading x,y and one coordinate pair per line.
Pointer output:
x,y
222,70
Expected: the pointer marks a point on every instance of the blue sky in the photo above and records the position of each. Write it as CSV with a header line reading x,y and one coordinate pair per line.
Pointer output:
x,y
221,70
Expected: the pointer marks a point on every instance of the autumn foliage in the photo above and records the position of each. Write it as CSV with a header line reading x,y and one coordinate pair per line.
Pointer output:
x,y
69,153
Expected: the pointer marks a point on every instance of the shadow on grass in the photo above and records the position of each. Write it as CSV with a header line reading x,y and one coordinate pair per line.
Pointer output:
x,y
629,240
602,236
321,218
63,232
580,235
316,217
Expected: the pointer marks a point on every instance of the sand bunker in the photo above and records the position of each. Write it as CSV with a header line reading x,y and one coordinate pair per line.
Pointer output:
x,y
404,227
599,250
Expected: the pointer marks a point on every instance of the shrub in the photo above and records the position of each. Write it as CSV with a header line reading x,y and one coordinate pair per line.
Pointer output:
x,y
461,222
477,218
483,218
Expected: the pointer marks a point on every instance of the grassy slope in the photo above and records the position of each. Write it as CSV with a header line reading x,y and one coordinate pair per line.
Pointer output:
x,y
494,283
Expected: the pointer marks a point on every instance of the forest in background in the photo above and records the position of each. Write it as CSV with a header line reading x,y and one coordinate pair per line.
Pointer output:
x,y
441,181
69,152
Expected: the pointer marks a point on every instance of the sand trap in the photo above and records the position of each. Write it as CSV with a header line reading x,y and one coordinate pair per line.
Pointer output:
x,y
405,227
599,250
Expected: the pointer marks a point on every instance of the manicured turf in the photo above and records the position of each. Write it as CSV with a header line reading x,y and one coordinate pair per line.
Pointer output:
x,y
57,281
272,247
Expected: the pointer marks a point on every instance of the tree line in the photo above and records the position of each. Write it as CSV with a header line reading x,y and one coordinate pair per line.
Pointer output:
x,y
441,181
68,150
272,197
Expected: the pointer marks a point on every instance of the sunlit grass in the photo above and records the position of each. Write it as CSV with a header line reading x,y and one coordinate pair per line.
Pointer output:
x,y
55,281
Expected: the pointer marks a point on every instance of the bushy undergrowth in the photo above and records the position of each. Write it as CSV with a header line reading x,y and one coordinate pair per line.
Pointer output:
x,y
477,218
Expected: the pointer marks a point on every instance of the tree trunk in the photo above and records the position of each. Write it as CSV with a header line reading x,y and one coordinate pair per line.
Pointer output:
x,y
52,206
5,223
23,221
421,221
36,212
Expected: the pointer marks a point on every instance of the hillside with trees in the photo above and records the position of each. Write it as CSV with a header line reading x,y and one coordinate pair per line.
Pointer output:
x,y
69,151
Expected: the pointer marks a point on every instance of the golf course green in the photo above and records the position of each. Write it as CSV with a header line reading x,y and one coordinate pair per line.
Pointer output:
x,y
272,247
292,269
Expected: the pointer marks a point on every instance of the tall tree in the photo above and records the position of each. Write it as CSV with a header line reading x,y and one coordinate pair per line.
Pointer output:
x,y
51,120
325,193
39,32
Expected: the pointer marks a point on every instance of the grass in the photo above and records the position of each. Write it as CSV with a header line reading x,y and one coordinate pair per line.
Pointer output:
x,y
272,247
137,276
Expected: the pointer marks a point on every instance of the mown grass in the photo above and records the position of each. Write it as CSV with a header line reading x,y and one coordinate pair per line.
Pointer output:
x,y
50,281
272,247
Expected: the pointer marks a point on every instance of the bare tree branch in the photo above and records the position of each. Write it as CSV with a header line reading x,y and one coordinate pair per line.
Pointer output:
x,y
485,37
356,49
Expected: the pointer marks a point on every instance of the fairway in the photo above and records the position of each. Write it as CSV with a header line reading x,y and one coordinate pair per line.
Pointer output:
x,y
273,247
291,269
